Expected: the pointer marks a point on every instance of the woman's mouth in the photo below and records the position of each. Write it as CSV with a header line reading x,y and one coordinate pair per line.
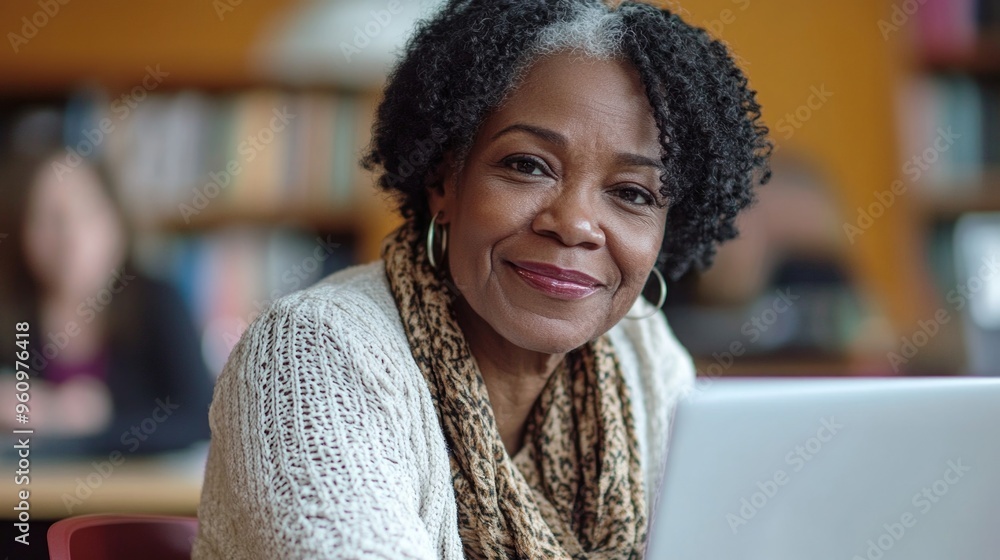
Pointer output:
x,y
554,281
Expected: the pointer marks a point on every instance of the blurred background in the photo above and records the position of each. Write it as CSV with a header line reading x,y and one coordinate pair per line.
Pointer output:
x,y
169,168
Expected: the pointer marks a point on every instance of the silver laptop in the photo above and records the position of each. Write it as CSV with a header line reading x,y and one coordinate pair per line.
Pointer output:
x,y
840,469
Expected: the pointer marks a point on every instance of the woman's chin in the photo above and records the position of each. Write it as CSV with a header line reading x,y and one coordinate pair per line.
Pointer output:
x,y
549,336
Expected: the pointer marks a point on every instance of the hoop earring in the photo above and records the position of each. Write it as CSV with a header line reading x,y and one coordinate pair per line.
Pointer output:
x,y
430,240
663,296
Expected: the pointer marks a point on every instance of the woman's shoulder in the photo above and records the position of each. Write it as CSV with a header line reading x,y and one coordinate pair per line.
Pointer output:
x,y
323,413
360,290
340,340
353,303
348,322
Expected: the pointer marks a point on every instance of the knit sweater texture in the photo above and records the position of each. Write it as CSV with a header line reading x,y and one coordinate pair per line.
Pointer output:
x,y
326,442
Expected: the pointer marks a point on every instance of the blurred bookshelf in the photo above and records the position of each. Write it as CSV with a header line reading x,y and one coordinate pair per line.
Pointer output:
x,y
235,196
980,196
979,55
240,186
950,137
954,88
195,160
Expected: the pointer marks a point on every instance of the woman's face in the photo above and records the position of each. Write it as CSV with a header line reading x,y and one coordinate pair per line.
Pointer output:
x,y
73,237
556,220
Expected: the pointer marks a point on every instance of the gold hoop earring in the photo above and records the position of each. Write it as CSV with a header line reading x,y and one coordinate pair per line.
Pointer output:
x,y
660,302
430,240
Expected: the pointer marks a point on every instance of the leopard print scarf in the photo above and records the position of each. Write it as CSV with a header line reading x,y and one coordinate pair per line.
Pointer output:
x,y
575,490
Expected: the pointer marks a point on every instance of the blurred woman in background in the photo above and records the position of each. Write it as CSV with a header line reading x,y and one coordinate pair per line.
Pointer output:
x,y
114,356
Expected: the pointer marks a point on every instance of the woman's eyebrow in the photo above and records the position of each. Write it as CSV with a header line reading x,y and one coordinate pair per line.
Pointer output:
x,y
553,137
635,160
550,136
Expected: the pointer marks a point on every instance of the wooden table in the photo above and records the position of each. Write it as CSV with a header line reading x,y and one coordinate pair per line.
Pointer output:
x,y
164,484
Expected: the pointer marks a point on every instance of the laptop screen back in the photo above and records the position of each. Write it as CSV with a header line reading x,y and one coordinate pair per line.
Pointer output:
x,y
845,469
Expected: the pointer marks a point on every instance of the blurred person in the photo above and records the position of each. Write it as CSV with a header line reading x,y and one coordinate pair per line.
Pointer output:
x,y
114,356
790,259
495,386
796,218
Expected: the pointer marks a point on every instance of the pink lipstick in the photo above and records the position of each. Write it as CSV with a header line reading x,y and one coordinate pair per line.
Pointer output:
x,y
554,281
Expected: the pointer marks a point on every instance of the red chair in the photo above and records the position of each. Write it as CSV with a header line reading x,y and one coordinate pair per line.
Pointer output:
x,y
122,537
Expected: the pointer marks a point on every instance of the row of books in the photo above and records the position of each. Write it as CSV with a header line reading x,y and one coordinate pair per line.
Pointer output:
x,y
948,26
228,276
950,132
177,154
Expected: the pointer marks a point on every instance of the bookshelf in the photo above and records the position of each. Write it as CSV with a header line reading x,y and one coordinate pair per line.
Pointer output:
x,y
190,160
956,83
236,196
240,186
981,57
953,83
980,196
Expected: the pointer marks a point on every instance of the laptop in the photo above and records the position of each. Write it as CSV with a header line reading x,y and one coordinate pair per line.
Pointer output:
x,y
840,469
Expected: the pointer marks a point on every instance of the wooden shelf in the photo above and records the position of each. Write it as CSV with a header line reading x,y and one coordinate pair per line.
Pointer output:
x,y
951,207
168,484
319,219
370,220
982,60
949,201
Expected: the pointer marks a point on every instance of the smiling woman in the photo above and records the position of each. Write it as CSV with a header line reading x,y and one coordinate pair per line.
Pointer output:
x,y
482,391
545,193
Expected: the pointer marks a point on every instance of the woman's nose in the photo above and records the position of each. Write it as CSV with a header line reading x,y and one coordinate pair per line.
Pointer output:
x,y
571,218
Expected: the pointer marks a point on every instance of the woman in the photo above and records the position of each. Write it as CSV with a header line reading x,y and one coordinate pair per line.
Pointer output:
x,y
114,356
479,391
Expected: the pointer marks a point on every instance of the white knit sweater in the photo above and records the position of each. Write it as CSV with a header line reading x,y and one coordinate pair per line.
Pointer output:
x,y
325,441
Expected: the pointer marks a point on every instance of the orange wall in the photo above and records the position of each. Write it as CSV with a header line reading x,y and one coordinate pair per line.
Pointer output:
x,y
791,48
199,42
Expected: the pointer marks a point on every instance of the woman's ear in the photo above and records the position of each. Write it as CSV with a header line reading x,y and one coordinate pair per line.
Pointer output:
x,y
441,189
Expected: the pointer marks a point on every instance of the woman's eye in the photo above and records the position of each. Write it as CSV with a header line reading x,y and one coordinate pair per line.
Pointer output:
x,y
636,195
528,166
